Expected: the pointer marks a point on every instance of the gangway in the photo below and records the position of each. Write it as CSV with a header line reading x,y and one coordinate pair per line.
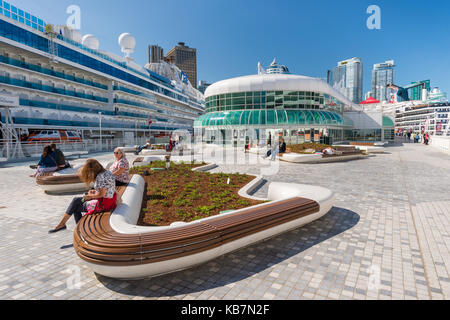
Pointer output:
x,y
10,143
52,46
402,94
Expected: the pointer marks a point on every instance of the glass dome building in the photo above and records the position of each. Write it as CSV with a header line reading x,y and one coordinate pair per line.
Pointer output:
x,y
273,102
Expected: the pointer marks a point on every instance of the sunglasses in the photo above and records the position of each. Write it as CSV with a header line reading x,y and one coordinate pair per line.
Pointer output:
x,y
117,153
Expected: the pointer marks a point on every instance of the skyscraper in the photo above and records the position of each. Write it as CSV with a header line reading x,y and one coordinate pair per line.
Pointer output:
x,y
416,92
155,54
347,78
202,86
184,58
382,75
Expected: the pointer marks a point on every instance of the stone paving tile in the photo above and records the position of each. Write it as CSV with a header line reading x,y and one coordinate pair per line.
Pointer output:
x,y
387,237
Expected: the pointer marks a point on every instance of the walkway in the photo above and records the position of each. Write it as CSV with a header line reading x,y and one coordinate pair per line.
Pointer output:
x,y
386,238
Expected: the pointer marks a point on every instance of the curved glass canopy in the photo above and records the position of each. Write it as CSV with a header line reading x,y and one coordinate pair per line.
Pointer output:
x,y
271,117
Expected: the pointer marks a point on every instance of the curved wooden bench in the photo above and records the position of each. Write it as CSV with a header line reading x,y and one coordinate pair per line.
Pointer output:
x,y
365,144
96,242
345,148
50,179
54,182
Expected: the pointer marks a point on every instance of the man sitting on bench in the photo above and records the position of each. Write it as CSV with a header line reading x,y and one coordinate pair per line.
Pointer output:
x,y
147,145
60,158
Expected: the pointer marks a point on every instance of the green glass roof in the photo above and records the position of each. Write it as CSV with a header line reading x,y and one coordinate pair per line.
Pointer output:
x,y
271,117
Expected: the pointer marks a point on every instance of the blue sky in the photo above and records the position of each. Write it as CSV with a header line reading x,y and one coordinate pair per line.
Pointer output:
x,y
310,37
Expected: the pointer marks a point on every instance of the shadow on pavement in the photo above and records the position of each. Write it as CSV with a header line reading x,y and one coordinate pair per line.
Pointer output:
x,y
241,264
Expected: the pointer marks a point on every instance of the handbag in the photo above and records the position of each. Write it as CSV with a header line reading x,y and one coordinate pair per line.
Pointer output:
x,y
101,205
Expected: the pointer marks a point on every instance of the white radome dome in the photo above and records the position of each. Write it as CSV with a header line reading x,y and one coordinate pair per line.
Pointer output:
x,y
90,41
127,42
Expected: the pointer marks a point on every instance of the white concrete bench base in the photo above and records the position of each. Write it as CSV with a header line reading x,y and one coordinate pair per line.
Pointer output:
x,y
368,149
317,158
128,149
157,152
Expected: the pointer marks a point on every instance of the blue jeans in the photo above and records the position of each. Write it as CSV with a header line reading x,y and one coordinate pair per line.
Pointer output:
x,y
274,155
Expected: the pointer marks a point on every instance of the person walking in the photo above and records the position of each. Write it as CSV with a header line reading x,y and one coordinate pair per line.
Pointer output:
x,y
426,138
102,199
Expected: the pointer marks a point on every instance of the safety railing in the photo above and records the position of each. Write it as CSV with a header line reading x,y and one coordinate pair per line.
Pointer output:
x,y
32,150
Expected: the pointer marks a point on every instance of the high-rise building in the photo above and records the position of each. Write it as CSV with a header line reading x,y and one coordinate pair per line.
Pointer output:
x,y
184,58
347,78
329,77
202,85
382,75
416,93
155,54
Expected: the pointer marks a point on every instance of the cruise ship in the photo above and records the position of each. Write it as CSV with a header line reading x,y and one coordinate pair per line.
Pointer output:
x,y
65,83
420,117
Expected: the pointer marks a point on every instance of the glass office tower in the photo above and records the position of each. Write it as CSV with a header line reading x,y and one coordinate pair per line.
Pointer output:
x,y
382,75
347,78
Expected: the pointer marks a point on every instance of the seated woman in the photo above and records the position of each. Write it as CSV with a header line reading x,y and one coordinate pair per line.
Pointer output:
x,y
47,163
120,169
102,199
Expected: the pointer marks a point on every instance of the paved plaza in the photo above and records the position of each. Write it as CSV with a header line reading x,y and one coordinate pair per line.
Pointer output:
x,y
387,237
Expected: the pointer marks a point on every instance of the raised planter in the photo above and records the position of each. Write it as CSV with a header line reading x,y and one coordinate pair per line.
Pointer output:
x,y
180,246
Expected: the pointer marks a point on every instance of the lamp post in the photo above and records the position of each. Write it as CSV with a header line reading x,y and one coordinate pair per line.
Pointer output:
x,y
100,122
7,133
